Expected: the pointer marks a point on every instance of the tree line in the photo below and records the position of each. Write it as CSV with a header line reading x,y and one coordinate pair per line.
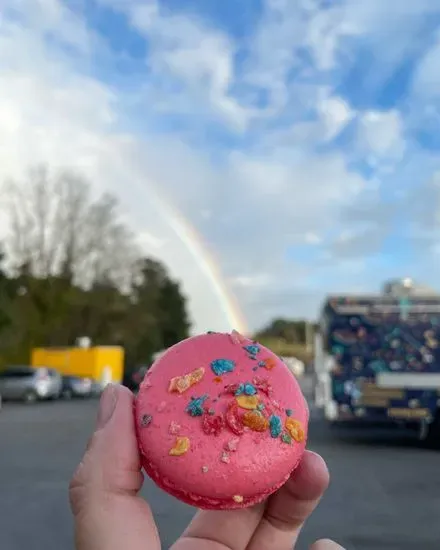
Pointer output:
x,y
291,331
71,267
289,338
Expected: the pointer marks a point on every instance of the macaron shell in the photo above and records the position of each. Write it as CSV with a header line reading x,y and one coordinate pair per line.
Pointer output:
x,y
225,470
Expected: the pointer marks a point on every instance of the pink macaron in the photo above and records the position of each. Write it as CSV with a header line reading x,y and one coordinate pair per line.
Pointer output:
x,y
221,421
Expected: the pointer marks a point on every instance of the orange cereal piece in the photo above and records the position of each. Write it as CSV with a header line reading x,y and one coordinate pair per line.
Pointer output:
x,y
255,421
247,401
218,380
295,429
182,383
197,375
270,363
181,446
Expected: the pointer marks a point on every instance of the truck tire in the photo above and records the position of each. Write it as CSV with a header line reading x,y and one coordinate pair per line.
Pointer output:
x,y
433,436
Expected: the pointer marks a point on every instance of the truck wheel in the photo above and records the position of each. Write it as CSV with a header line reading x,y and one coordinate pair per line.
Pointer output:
x,y
433,436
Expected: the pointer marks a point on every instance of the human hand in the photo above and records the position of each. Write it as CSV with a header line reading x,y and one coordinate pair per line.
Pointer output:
x,y
109,514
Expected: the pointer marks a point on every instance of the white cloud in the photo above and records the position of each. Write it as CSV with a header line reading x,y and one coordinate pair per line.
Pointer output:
x,y
149,240
325,32
52,16
201,58
312,238
426,83
249,201
335,115
252,281
380,134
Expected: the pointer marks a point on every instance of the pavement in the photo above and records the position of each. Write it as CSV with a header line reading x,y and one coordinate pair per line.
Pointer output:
x,y
384,495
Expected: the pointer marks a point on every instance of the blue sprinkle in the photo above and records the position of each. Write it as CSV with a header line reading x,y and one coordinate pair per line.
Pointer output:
x,y
261,364
252,357
275,426
252,349
222,366
289,412
195,406
254,368
249,389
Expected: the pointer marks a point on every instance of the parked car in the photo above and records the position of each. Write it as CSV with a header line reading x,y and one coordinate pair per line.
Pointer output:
x,y
97,389
75,386
30,384
296,367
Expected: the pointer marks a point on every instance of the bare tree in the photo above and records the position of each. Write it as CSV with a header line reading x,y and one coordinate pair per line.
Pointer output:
x,y
56,227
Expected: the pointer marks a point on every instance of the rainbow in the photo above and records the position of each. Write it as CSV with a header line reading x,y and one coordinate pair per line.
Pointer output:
x,y
205,260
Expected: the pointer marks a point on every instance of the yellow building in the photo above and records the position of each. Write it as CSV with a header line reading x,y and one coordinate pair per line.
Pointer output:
x,y
103,364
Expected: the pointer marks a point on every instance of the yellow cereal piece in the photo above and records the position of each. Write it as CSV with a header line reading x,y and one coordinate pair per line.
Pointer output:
x,y
295,429
181,446
237,498
249,402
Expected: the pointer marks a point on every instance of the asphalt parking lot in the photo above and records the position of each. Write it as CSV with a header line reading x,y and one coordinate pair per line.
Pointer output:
x,y
385,491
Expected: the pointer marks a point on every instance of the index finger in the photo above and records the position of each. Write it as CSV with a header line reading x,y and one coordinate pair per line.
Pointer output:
x,y
289,508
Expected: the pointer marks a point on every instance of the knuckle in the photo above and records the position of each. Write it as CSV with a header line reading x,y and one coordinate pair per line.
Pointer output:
x,y
77,489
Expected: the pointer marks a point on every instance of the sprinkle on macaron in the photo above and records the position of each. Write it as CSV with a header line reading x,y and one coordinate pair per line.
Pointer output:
x,y
222,366
146,420
181,446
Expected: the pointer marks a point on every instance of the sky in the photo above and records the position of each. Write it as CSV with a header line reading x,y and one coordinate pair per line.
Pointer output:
x,y
268,151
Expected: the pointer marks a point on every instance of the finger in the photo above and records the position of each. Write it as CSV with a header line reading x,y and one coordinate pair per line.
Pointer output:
x,y
221,530
103,492
288,508
326,544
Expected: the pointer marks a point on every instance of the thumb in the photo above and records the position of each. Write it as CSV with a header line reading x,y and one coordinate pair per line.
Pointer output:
x,y
103,491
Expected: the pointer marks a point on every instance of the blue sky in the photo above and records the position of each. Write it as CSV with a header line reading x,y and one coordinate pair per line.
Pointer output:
x,y
299,139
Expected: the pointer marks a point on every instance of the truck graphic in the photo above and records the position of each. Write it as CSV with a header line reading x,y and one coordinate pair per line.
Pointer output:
x,y
377,358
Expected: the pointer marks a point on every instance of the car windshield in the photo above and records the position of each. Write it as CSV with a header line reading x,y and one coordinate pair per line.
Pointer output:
x,y
19,372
